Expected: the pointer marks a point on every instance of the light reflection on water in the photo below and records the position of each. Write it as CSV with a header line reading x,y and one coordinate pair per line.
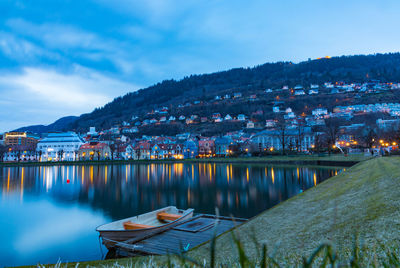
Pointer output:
x,y
51,212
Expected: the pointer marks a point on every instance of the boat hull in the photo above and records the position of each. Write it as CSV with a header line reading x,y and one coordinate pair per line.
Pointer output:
x,y
111,237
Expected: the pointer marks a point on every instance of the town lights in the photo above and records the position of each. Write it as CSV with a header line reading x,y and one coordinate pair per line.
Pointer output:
x,y
333,146
271,149
393,143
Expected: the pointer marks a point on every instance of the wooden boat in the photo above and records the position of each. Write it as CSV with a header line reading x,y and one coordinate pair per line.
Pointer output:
x,y
142,225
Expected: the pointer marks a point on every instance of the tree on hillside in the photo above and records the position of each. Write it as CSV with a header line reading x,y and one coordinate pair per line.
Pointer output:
x,y
332,130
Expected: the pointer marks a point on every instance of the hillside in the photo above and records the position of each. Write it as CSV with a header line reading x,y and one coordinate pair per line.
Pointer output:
x,y
203,88
61,124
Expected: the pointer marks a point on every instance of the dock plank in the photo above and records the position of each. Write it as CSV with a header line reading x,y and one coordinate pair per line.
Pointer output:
x,y
188,235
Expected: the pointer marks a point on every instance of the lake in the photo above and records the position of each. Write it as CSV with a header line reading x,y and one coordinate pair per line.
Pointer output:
x,y
50,213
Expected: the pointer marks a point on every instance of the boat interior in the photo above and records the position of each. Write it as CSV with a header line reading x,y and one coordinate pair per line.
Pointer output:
x,y
148,220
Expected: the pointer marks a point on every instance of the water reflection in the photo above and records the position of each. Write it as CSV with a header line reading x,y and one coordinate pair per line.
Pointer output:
x,y
61,202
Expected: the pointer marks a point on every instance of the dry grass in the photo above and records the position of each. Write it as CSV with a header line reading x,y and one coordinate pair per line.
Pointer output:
x,y
364,200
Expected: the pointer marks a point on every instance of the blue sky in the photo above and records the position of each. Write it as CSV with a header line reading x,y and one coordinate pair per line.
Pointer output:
x,y
66,57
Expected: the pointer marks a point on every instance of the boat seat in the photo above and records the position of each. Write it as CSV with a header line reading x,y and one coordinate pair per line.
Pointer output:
x,y
128,225
163,216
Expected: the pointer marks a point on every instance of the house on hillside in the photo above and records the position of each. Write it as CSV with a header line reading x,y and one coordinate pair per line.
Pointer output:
x,y
94,151
222,146
206,148
250,124
241,117
216,115
319,112
141,150
190,149
228,117
130,130
237,95
298,90
270,123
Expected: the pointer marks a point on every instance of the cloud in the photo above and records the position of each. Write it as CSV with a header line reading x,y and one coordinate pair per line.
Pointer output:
x,y
20,49
43,95
57,35
68,42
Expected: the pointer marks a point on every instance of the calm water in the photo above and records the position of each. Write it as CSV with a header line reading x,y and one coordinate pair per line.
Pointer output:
x,y
50,213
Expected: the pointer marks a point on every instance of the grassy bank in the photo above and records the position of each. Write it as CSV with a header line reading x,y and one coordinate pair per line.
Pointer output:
x,y
295,159
363,201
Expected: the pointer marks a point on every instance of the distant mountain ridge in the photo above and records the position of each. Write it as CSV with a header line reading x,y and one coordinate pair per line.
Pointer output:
x,y
61,124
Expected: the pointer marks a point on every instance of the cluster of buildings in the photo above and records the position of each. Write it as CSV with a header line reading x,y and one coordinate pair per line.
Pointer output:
x,y
71,146
164,115
299,132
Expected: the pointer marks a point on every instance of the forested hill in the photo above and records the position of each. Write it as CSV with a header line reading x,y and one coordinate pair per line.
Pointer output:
x,y
169,93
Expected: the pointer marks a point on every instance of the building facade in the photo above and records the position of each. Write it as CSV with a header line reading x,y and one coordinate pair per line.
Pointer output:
x,y
59,147
292,139
94,151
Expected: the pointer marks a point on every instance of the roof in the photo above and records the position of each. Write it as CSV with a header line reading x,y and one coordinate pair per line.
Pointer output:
x,y
62,137
93,145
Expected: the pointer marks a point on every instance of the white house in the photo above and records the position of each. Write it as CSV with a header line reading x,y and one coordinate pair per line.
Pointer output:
x,y
250,124
299,92
228,117
59,146
241,117
319,112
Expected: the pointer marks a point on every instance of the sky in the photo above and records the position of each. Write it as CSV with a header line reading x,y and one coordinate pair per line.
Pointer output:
x,y
66,57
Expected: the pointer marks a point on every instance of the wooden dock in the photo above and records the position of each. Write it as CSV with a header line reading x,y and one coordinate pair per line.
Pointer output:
x,y
181,238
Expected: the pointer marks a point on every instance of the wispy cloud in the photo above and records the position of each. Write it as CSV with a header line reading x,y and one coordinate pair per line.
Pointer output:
x,y
48,94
